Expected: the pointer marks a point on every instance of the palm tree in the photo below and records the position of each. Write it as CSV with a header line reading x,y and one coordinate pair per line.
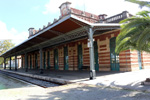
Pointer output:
x,y
135,32
141,3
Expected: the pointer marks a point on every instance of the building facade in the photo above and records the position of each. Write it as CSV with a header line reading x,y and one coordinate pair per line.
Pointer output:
x,y
77,40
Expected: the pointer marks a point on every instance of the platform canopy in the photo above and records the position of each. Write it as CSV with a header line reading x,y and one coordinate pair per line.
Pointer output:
x,y
65,29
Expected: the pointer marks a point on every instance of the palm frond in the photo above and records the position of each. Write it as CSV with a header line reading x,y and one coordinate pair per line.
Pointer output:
x,y
143,13
135,33
124,45
141,3
129,33
143,38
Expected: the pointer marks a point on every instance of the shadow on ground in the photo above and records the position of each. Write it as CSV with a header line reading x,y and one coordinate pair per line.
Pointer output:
x,y
91,93
132,86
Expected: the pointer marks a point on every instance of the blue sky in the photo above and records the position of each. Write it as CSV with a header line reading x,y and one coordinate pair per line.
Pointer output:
x,y
22,14
16,16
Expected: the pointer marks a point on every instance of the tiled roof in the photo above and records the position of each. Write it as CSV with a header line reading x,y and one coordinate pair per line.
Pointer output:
x,y
92,18
89,17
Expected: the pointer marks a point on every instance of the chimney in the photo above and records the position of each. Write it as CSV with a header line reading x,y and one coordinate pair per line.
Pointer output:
x,y
49,23
102,16
44,26
65,8
125,14
31,33
55,20
40,29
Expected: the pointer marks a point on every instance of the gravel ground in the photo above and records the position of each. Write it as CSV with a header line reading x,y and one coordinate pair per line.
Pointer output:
x,y
72,92
6,83
32,80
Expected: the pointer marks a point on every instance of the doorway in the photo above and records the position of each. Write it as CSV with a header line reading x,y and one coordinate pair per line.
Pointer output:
x,y
66,58
80,57
30,61
56,59
36,62
48,60
96,56
44,61
114,58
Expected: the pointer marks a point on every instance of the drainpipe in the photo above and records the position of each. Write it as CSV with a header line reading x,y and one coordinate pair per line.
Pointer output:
x,y
41,61
91,51
15,62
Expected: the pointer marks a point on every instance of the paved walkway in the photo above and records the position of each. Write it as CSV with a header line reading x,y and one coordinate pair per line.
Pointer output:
x,y
127,80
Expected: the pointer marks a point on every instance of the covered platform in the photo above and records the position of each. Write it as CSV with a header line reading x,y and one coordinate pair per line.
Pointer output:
x,y
69,27
77,41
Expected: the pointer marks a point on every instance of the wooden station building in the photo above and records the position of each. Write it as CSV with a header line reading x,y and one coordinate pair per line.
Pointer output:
x,y
78,40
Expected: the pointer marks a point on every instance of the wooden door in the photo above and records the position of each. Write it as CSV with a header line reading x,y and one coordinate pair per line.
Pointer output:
x,y
80,57
114,58
56,59
66,67
96,56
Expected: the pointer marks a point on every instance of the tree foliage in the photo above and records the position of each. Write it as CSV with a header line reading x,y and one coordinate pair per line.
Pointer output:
x,y
141,3
135,32
4,46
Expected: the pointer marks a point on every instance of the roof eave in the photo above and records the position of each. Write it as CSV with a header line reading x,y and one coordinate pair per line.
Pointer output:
x,y
42,31
60,21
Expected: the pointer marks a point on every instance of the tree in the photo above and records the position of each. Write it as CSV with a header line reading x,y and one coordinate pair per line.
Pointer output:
x,y
135,31
4,46
141,3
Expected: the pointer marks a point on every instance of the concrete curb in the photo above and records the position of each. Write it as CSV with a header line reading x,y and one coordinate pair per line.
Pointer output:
x,y
46,78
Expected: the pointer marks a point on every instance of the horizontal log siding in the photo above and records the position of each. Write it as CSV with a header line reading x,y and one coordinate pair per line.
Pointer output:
x,y
61,58
145,60
85,52
51,58
134,60
75,56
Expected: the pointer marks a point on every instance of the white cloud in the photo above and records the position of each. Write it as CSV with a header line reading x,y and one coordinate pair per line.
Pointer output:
x,y
109,7
12,34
